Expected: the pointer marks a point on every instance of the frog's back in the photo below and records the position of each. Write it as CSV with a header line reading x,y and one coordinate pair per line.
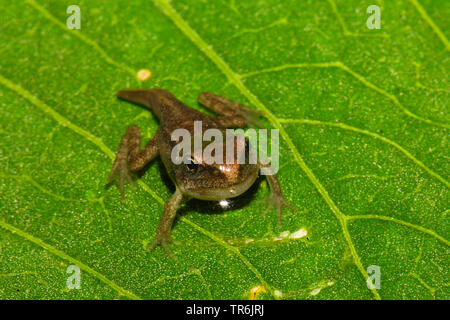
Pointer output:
x,y
172,114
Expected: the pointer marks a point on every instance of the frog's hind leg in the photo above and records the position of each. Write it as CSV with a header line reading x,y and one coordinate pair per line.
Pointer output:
x,y
130,159
234,113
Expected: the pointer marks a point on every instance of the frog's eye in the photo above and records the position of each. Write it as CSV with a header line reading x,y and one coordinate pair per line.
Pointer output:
x,y
191,165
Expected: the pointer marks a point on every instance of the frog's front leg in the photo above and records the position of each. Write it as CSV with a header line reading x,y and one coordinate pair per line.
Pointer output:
x,y
234,114
276,198
163,233
130,159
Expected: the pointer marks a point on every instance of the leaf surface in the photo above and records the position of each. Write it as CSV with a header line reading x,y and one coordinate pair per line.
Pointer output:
x,y
363,119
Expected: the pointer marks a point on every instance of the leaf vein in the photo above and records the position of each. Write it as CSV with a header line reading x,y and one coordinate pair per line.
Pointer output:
x,y
357,76
38,186
66,257
402,222
98,142
431,23
235,79
374,135
345,28
82,37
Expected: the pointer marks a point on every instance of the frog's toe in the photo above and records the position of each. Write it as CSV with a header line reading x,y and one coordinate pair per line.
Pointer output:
x,y
163,240
277,202
120,174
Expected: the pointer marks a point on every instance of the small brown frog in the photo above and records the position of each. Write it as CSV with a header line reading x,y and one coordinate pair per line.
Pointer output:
x,y
193,178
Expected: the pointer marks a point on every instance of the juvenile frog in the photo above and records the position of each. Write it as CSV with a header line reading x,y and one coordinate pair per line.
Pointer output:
x,y
193,177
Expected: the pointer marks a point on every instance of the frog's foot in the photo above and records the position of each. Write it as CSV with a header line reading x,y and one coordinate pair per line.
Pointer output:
x,y
278,202
120,174
162,239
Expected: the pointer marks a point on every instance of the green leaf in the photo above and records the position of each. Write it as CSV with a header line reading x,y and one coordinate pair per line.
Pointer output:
x,y
363,120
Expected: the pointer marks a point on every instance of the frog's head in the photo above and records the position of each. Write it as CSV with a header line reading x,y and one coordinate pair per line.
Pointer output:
x,y
202,177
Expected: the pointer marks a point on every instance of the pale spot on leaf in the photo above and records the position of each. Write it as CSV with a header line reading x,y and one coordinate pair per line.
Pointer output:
x,y
144,74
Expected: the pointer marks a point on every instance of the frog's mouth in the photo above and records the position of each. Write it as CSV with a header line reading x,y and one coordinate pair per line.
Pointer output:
x,y
215,194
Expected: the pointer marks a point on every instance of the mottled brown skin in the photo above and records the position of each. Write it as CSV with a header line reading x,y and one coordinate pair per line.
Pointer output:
x,y
195,179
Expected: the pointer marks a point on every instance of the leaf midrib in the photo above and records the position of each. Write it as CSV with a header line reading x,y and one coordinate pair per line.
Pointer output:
x,y
235,79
